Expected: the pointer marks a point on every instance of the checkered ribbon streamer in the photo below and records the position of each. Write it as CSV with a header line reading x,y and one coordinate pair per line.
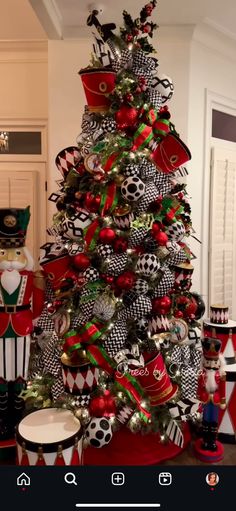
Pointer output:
x,y
117,338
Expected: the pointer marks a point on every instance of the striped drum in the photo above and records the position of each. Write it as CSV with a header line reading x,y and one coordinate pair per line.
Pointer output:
x,y
227,334
227,417
49,436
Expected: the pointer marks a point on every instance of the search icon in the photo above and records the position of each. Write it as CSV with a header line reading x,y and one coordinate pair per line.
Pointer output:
x,y
70,478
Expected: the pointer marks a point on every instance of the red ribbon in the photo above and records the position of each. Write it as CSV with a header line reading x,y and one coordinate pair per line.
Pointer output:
x,y
91,235
126,382
109,200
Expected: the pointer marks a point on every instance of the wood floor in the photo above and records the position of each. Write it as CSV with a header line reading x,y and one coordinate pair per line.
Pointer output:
x,y
187,457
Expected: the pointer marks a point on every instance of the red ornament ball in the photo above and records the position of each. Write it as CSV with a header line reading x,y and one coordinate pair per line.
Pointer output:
x,y
178,314
161,238
97,406
155,228
126,280
107,235
120,245
81,262
161,305
126,117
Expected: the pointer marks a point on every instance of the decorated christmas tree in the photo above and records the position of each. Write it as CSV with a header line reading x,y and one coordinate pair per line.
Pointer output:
x,y
120,322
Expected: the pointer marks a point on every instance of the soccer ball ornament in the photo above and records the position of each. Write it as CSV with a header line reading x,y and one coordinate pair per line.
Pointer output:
x,y
132,188
147,264
164,85
99,432
73,226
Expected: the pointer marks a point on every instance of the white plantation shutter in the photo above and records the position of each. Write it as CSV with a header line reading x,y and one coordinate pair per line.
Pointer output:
x,y
18,190
222,243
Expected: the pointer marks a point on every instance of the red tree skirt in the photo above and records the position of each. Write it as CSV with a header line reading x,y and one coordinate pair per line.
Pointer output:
x,y
127,448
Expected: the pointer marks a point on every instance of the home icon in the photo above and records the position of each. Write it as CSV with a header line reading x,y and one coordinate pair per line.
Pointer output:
x,y
23,480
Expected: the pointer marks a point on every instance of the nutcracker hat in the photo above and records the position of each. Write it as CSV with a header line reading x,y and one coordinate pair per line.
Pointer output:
x,y
98,83
211,348
13,226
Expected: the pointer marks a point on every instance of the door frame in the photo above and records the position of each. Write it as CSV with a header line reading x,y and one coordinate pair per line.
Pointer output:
x,y
227,105
7,124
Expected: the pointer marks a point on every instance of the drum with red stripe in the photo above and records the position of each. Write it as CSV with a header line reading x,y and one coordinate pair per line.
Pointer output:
x,y
227,334
79,377
227,417
49,436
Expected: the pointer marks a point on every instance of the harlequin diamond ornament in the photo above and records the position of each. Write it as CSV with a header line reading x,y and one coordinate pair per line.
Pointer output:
x,y
74,226
176,231
132,188
164,85
147,264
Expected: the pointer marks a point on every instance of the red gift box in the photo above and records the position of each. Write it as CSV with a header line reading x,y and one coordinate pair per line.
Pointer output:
x,y
98,84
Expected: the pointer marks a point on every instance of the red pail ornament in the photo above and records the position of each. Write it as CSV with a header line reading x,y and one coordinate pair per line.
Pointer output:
x,y
156,382
170,154
219,314
183,275
98,84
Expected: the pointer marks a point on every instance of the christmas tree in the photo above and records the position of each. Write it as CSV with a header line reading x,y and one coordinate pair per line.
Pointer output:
x,y
124,351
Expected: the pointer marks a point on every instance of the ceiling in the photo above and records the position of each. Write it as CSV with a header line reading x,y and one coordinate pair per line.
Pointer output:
x,y
62,19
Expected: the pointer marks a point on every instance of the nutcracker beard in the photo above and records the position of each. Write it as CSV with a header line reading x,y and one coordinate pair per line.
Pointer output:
x,y
14,357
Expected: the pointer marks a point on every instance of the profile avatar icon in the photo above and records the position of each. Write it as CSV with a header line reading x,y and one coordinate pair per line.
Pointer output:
x,y
212,478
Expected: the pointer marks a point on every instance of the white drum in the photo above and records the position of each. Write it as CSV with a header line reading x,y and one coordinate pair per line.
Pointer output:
x,y
227,417
50,436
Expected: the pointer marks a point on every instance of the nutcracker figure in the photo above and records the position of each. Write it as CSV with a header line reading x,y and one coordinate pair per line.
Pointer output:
x,y
211,392
16,317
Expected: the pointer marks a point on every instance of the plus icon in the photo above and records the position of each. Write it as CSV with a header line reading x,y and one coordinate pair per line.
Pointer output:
x,y
117,478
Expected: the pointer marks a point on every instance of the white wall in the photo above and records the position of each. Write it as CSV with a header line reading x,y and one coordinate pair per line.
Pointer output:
x,y
212,68
23,84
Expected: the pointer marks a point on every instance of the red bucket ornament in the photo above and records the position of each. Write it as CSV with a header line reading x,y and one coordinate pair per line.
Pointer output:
x,y
156,382
98,84
170,154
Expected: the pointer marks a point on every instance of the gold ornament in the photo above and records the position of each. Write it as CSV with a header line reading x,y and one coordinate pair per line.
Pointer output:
x,y
118,179
83,415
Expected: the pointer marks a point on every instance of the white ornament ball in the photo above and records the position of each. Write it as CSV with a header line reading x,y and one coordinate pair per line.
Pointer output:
x,y
164,85
132,188
73,226
99,432
147,264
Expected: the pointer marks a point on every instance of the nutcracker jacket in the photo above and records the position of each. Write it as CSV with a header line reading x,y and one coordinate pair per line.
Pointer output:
x,y
15,308
218,396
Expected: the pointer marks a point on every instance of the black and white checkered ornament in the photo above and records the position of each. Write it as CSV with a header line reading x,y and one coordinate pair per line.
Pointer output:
x,y
147,170
105,251
99,432
162,183
178,258
147,264
176,231
132,188
117,338
164,85
154,98
166,283
73,226
131,169
140,287
116,264
137,236
80,401
141,307
108,125
91,274
45,321
151,193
